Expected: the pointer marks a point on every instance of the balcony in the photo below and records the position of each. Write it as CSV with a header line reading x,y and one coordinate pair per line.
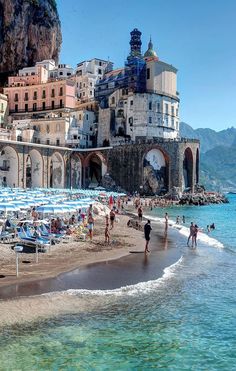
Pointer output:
x,y
40,109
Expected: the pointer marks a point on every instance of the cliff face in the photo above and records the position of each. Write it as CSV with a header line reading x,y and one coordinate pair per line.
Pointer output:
x,y
29,32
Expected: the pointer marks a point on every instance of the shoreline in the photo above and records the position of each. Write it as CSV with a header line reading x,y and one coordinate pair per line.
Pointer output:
x,y
65,259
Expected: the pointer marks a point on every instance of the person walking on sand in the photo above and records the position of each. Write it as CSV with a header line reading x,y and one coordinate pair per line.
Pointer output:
x,y
194,237
90,226
191,232
112,218
147,231
107,234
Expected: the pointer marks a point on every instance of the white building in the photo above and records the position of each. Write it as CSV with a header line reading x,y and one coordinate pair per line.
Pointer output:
x,y
87,75
83,129
153,114
3,110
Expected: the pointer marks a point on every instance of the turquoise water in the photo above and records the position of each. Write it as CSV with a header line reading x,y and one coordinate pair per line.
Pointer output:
x,y
184,321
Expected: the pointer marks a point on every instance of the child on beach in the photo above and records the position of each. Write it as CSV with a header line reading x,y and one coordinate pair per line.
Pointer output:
x,y
107,234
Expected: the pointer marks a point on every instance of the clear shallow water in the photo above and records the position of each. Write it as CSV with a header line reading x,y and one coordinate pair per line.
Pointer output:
x,y
183,321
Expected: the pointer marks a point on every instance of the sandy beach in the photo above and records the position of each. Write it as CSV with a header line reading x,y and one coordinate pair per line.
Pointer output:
x,y
70,255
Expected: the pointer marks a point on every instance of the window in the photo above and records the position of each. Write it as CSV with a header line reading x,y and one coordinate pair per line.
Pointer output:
x,y
68,74
150,105
58,142
34,106
87,117
48,141
16,97
131,103
26,96
19,138
35,95
61,103
159,121
113,100
61,73
172,110
79,116
44,106
99,71
16,107
61,91
177,112
83,94
26,107
53,93
166,121
43,94
150,120
91,93
84,85
166,108
131,121
172,122
100,63
75,137
158,107
53,104
91,84
80,85
148,73
48,129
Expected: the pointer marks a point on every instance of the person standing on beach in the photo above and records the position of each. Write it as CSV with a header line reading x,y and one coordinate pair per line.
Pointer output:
x,y
112,218
191,232
147,231
90,226
194,237
140,213
166,219
107,234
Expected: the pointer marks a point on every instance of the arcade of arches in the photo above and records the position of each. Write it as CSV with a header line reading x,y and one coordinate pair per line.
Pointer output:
x,y
147,168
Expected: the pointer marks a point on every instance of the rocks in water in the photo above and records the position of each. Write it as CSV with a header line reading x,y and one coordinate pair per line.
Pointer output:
x,y
30,32
203,198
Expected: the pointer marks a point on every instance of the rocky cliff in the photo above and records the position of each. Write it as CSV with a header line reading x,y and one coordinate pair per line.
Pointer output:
x,y
29,32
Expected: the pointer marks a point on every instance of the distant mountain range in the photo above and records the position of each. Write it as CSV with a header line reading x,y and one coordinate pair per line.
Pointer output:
x,y
218,156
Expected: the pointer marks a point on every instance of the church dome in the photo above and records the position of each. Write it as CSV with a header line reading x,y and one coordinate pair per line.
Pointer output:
x,y
150,53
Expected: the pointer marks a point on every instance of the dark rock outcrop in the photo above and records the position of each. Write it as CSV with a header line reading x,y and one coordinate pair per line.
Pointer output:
x,y
204,198
30,31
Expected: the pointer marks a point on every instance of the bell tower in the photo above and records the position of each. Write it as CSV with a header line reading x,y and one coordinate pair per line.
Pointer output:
x,y
135,43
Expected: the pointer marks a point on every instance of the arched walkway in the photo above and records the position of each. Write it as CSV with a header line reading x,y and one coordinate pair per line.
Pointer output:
x,y
75,171
155,172
95,169
57,171
9,167
34,169
188,169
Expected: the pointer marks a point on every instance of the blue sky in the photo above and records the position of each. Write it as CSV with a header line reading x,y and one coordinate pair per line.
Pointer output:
x,y
196,36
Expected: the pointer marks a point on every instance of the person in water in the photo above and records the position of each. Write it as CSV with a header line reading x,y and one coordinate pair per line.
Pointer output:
x,y
147,231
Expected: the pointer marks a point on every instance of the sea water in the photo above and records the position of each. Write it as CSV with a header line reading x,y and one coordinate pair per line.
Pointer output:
x,y
185,320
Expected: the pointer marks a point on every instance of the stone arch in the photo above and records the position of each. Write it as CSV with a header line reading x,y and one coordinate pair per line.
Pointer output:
x,y
34,169
74,171
9,167
57,171
155,171
197,166
188,169
95,169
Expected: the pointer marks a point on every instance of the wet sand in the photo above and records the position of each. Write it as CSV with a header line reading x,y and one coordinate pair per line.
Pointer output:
x,y
85,265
